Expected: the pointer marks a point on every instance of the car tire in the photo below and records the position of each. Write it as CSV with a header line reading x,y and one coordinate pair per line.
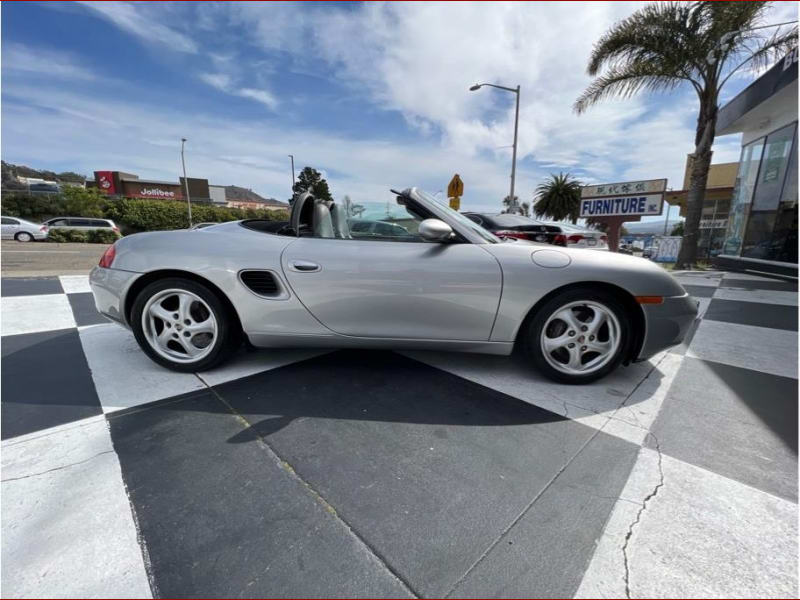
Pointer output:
x,y
23,236
569,318
183,325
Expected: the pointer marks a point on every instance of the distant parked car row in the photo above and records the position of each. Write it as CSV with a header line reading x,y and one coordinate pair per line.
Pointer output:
x,y
548,232
14,228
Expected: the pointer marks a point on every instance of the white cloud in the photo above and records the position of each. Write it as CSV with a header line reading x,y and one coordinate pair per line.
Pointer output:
x,y
224,83
40,61
134,19
420,59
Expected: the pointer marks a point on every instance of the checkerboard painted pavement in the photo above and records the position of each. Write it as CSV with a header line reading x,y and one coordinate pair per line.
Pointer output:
x,y
300,473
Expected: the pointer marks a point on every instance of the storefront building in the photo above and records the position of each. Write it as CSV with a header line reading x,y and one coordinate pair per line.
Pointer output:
x,y
761,233
716,205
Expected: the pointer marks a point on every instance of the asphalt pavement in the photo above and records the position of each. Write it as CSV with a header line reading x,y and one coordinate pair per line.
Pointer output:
x,y
32,259
381,474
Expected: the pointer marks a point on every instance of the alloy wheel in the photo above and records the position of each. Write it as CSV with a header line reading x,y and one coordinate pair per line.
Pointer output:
x,y
581,337
179,325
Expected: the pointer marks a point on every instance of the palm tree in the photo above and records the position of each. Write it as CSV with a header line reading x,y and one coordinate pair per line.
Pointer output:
x,y
663,46
559,198
523,208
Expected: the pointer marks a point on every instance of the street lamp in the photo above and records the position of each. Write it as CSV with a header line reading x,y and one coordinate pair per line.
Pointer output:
x,y
186,183
511,201
292,157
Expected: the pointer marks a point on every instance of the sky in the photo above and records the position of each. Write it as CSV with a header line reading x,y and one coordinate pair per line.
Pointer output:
x,y
375,96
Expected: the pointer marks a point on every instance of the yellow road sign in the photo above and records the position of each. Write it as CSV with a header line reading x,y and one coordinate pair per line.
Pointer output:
x,y
456,187
455,203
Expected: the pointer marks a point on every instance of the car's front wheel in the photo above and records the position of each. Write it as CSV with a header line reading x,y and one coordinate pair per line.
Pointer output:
x,y
183,325
578,336
23,236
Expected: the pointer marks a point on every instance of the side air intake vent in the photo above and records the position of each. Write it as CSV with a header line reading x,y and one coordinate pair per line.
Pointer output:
x,y
262,283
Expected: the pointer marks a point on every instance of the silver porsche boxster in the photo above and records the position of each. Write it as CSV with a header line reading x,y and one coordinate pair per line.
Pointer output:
x,y
404,272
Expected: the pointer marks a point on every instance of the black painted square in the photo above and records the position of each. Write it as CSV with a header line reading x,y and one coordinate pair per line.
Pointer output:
x,y
429,468
778,285
30,286
84,309
775,316
221,518
736,422
45,382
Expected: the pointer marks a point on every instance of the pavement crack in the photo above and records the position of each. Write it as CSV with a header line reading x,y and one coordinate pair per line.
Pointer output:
x,y
80,462
639,513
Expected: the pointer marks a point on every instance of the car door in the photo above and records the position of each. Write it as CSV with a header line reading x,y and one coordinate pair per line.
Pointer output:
x,y
9,227
395,286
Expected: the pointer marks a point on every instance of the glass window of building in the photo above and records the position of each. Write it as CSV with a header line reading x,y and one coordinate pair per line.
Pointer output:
x,y
742,195
763,238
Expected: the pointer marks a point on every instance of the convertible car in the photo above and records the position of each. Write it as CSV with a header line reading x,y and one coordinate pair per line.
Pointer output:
x,y
424,277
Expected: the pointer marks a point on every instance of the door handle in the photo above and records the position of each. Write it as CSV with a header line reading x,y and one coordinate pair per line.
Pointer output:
x,y
304,266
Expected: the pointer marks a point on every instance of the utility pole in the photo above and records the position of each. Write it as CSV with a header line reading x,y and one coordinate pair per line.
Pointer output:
x,y
292,157
186,183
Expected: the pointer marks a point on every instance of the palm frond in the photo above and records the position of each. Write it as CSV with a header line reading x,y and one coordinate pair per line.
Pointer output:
x,y
626,81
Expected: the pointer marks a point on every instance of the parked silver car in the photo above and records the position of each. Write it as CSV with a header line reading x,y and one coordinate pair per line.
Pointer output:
x,y
82,224
436,281
14,228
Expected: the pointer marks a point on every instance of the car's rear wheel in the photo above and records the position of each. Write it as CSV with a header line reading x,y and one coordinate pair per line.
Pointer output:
x,y
578,336
23,236
183,325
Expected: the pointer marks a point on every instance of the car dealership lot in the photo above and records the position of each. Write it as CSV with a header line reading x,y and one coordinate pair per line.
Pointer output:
x,y
308,473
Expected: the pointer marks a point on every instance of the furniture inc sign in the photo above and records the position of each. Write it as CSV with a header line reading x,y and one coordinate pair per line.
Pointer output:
x,y
628,199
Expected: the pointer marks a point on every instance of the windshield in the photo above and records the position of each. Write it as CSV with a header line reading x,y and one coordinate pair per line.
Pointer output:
x,y
512,220
461,219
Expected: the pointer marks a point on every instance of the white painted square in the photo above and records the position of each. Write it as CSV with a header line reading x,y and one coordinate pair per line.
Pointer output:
x,y
250,363
756,348
68,531
701,535
30,314
75,284
123,375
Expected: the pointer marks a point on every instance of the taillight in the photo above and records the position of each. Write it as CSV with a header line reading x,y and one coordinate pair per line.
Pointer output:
x,y
43,228
512,234
115,229
560,240
574,238
108,257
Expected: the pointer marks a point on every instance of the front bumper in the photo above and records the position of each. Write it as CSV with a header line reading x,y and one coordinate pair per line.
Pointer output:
x,y
666,324
110,287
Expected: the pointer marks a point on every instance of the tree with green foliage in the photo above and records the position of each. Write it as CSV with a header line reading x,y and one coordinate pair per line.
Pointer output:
x,y
311,180
664,46
677,229
559,198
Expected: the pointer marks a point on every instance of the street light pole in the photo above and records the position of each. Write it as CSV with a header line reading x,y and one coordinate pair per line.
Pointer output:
x,y
292,157
186,182
512,203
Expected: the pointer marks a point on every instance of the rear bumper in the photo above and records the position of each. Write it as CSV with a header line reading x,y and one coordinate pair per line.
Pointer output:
x,y
110,288
666,324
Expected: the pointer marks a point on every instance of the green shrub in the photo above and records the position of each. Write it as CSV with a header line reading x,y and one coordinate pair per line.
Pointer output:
x,y
58,235
94,236
156,215
102,236
132,215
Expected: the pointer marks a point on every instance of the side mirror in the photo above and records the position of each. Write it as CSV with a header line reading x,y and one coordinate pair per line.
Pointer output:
x,y
435,230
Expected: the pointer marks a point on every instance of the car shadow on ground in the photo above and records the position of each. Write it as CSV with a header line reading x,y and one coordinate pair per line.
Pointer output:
x,y
386,387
